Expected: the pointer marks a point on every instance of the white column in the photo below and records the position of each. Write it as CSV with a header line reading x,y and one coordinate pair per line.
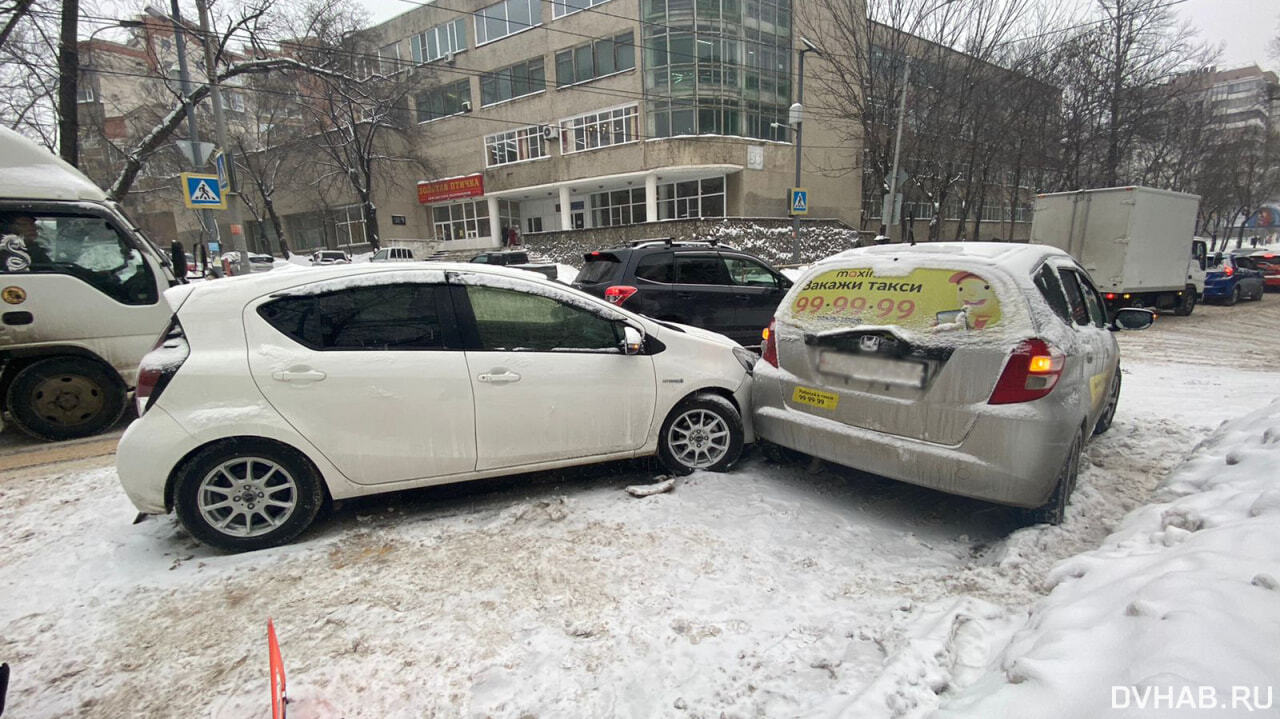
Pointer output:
x,y
495,229
651,197
566,215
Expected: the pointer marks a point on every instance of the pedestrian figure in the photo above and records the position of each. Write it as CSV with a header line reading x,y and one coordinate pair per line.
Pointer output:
x,y
204,260
179,254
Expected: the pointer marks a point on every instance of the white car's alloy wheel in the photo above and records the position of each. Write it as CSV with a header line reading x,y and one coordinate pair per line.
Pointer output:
x,y
699,438
247,497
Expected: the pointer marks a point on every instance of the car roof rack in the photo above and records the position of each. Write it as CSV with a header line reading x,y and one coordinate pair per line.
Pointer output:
x,y
671,242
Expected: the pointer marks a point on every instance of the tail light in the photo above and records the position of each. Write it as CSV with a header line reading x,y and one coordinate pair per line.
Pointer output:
x,y
1031,373
619,293
769,347
1228,270
160,365
1110,296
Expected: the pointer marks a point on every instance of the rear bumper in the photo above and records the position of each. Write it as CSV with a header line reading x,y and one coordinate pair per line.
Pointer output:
x,y
1011,455
148,451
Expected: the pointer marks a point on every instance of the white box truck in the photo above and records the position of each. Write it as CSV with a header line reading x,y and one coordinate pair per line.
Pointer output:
x,y
1136,242
80,296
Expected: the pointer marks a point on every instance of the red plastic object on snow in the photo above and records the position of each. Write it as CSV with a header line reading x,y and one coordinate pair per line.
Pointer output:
x,y
277,673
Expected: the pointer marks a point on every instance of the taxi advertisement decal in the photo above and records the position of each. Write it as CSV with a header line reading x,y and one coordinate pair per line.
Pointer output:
x,y
815,397
923,299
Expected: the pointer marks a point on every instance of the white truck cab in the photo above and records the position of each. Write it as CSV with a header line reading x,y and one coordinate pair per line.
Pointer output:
x,y
80,296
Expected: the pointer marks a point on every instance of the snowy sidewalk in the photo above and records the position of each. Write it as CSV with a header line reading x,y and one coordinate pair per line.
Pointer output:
x,y
1177,614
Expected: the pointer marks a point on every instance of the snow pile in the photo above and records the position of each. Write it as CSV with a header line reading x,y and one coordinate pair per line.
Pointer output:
x,y
1176,612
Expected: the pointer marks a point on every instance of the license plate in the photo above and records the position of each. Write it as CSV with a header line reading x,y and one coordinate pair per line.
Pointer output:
x,y
815,397
873,369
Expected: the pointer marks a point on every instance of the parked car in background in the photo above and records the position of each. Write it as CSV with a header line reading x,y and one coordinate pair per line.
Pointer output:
x,y
703,284
1267,261
257,262
392,254
517,259
330,257
1231,278
260,262
979,369
363,378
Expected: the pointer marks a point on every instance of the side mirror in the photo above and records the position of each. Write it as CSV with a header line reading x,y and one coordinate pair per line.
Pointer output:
x,y
632,340
1132,318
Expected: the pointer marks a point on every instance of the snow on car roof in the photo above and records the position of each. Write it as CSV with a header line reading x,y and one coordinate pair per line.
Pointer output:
x,y
1010,255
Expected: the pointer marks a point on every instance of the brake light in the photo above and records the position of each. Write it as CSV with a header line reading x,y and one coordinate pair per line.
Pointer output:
x,y
1032,372
619,293
769,347
1228,270
160,365
1110,295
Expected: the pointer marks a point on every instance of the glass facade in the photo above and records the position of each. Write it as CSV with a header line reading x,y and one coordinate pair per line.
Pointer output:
x,y
462,220
717,67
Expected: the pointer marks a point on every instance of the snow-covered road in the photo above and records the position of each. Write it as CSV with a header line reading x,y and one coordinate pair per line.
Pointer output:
x,y
770,591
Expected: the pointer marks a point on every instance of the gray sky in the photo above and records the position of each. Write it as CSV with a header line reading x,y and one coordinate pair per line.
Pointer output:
x,y
1243,28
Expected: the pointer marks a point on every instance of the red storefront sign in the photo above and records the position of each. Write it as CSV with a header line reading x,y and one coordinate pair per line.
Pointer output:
x,y
455,189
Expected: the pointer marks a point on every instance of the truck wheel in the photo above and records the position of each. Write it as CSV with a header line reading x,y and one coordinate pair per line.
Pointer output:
x,y
1188,303
65,398
1234,297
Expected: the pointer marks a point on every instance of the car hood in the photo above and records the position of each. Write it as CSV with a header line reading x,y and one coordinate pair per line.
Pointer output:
x,y
699,333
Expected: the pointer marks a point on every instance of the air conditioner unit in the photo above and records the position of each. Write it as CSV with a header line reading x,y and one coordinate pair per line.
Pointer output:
x,y
550,132
448,57
466,106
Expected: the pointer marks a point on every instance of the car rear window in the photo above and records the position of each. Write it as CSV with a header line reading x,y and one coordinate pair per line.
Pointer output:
x,y
658,267
598,268
923,300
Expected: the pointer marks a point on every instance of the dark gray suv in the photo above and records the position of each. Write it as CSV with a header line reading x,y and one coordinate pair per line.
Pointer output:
x,y
704,284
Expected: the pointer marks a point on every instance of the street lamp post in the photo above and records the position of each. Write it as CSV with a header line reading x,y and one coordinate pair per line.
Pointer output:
x,y
797,121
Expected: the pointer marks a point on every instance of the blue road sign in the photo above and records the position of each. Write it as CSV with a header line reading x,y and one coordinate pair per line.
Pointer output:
x,y
202,192
799,201
220,161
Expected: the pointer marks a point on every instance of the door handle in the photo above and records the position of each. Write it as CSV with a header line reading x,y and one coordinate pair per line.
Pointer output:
x,y
298,374
501,378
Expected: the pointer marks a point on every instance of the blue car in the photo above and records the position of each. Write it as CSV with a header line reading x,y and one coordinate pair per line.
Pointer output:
x,y
1230,280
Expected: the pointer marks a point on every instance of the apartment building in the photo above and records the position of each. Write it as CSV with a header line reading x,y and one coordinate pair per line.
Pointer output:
x,y
562,115
1245,99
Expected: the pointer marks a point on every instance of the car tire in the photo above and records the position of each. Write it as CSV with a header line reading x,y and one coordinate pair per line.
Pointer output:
x,y
703,432
1188,303
1109,414
1234,297
211,502
1054,511
65,398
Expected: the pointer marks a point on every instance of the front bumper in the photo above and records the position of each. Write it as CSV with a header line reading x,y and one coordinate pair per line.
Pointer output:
x,y
1011,455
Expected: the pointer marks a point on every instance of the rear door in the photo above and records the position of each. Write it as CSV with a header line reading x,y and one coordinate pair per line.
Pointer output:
x,y
704,294
758,290
549,376
1098,355
913,355
370,371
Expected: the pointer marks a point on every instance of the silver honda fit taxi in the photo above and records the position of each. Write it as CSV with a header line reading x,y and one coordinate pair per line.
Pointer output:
x,y
978,369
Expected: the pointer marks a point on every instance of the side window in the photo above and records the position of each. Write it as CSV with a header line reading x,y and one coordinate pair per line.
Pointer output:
x,y
380,317
1051,289
702,270
1075,298
748,272
511,321
1097,308
658,267
87,248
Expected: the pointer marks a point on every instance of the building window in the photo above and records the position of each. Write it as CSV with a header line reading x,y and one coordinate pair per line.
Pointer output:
x,y
596,59
349,225
232,101
439,41
522,78
619,207
561,8
470,220
389,59
506,18
599,129
717,67
535,225
694,198
84,92
525,143
438,102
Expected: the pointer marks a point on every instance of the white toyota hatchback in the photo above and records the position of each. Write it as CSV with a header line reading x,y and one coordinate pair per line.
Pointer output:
x,y
268,393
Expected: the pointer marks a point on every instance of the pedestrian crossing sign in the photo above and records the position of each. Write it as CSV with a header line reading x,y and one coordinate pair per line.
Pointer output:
x,y
798,200
202,192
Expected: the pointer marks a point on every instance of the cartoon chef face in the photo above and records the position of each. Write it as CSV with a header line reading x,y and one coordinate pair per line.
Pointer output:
x,y
977,298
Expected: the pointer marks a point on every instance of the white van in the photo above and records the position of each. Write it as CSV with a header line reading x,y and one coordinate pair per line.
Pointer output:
x,y
81,296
